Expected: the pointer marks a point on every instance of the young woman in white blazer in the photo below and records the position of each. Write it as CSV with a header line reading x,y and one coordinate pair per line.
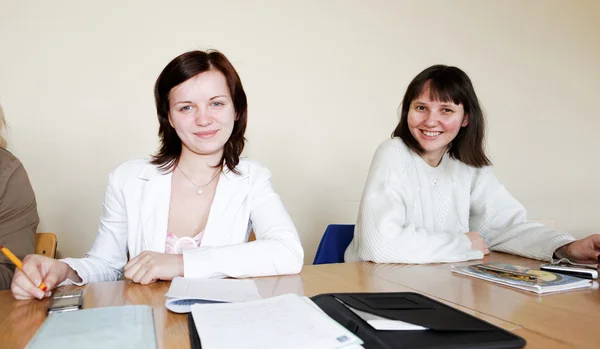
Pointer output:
x,y
190,209
431,195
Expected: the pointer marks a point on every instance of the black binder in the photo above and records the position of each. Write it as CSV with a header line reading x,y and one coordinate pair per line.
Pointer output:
x,y
449,328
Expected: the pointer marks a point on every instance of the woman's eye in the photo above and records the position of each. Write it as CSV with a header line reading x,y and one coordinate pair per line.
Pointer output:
x,y
420,107
217,104
186,108
446,110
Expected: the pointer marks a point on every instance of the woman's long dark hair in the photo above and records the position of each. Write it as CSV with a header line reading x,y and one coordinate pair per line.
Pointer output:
x,y
183,68
448,84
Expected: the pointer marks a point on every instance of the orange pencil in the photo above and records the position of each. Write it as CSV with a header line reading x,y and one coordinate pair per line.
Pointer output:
x,y
19,264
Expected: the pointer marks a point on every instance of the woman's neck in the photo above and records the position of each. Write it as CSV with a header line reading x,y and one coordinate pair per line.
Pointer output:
x,y
434,158
198,165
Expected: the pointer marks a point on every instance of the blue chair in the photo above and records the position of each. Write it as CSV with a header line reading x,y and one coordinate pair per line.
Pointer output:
x,y
335,240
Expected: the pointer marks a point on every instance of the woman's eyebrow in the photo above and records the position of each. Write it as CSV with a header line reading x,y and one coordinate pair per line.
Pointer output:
x,y
184,102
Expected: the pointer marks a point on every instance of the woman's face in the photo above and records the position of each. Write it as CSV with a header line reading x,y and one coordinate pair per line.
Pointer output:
x,y
435,124
202,113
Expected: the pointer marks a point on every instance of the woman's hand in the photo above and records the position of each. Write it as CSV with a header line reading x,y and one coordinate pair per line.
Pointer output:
x,y
477,242
149,266
585,251
36,269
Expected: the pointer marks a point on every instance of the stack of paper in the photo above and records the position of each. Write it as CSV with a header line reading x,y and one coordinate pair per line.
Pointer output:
x,y
539,281
287,321
185,292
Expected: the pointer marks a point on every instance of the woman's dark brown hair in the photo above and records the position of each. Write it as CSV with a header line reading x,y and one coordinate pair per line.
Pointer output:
x,y
448,84
183,68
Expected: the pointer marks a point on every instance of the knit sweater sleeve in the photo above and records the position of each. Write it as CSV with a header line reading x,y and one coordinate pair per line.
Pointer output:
x,y
384,232
502,221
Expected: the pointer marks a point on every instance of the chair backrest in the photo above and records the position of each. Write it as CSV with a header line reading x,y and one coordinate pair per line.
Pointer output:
x,y
251,237
45,244
335,240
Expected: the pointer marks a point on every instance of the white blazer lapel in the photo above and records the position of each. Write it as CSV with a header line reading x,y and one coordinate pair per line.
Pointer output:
x,y
156,200
231,193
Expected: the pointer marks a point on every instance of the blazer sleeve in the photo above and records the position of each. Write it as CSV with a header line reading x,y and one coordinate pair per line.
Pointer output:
x,y
276,251
108,256
18,216
503,223
384,232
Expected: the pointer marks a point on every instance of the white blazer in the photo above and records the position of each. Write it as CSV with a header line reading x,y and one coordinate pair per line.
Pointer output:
x,y
136,209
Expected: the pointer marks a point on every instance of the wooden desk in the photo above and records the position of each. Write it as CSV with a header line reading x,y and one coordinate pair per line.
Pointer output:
x,y
529,316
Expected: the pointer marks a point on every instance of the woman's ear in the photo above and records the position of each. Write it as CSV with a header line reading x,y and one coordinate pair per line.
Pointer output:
x,y
465,120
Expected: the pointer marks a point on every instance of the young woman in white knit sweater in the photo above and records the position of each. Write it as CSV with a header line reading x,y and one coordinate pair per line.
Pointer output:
x,y
431,195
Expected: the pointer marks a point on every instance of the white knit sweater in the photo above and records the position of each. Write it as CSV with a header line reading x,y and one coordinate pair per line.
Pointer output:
x,y
411,212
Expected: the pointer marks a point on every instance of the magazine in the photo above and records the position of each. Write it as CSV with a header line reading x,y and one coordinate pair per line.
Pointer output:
x,y
528,279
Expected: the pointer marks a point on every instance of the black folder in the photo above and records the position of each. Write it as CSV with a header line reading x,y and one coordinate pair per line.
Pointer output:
x,y
449,328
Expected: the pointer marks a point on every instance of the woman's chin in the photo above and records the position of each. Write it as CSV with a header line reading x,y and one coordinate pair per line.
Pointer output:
x,y
206,149
208,152
432,148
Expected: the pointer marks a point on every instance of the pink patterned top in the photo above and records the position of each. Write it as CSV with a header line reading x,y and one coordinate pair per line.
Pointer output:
x,y
176,245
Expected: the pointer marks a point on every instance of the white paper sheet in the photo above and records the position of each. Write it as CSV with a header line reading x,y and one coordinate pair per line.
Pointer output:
x,y
226,290
183,292
286,321
381,323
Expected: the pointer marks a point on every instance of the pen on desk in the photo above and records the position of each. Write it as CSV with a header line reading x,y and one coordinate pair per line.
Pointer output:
x,y
18,263
506,271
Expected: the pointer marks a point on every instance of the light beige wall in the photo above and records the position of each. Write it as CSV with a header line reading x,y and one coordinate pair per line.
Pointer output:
x,y
324,80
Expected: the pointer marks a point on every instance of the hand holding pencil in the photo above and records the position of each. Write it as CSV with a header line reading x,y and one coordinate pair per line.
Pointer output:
x,y
42,286
36,275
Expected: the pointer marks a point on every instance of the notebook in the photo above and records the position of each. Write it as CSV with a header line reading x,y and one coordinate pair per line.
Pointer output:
x,y
545,282
288,321
184,292
129,326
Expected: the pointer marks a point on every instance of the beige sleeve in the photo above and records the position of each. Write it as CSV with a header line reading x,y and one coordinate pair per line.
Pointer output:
x,y
18,213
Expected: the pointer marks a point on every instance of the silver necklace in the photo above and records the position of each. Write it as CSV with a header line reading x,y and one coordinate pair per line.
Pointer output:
x,y
199,188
